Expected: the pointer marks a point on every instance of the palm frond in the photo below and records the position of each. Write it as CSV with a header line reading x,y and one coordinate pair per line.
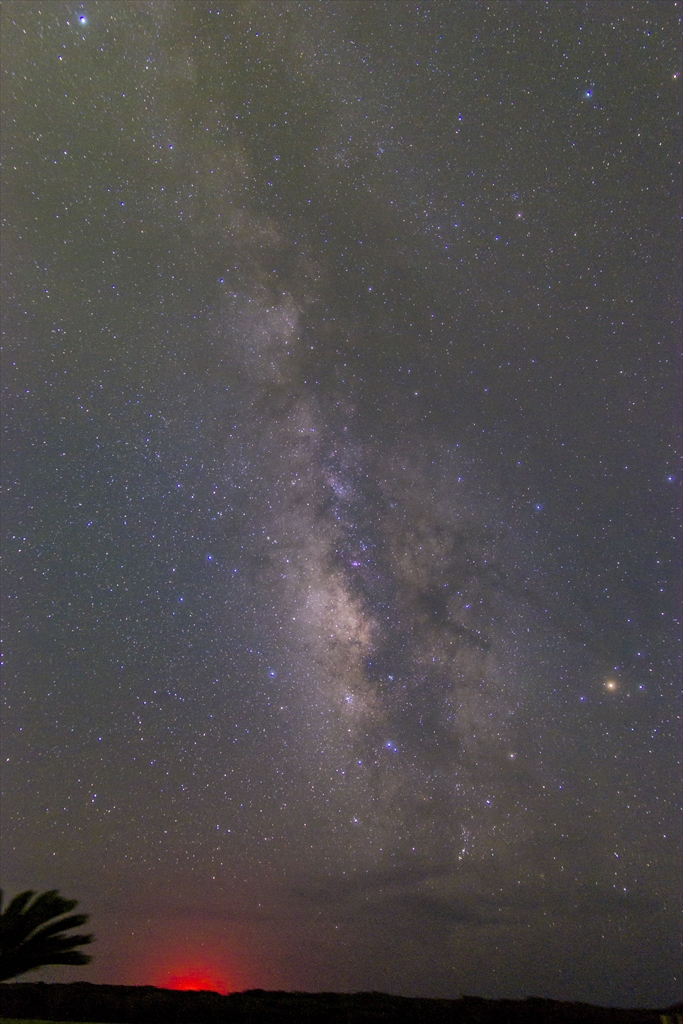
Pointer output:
x,y
30,937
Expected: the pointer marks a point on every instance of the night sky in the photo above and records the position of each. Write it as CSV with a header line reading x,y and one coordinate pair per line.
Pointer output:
x,y
341,588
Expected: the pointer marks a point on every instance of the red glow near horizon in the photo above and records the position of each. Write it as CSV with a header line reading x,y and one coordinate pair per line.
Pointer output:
x,y
196,979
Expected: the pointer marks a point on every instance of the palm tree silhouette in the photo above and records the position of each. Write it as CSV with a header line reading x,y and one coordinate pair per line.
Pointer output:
x,y
30,937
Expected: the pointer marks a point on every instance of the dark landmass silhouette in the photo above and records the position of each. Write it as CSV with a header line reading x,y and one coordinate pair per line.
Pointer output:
x,y
133,1004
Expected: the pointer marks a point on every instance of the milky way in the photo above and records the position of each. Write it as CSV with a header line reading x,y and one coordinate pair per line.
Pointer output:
x,y
386,633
